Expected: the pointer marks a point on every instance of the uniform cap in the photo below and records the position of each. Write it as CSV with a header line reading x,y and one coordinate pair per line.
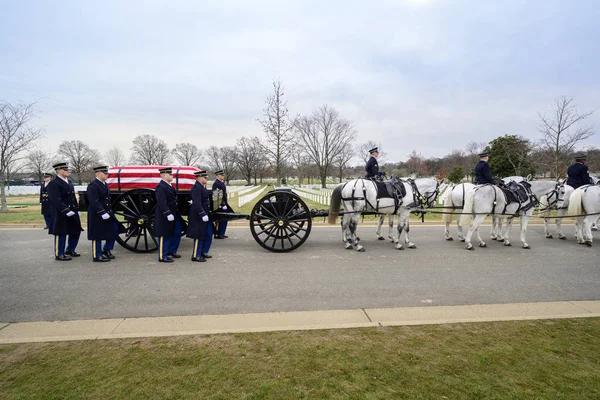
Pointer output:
x,y
580,156
484,154
374,150
166,170
48,175
61,165
220,172
101,168
201,174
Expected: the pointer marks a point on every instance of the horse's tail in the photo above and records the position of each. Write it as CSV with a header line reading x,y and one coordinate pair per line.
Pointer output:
x,y
334,204
576,203
448,206
467,212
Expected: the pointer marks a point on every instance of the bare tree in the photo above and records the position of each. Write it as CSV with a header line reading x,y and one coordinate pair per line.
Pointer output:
x,y
223,158
302,163
16,134
417,164
248,151
38,162
79,156
278,128
187,154
472,150
115,157
323,136
343,158
150,150
560,132
362,150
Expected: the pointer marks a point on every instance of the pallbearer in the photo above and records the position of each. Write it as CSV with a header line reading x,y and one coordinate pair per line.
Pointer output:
x,y
167,220
199,225
45,199
102,223
219,183
65,218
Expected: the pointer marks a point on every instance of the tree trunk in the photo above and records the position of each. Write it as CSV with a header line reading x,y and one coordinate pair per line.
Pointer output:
x,y
3,197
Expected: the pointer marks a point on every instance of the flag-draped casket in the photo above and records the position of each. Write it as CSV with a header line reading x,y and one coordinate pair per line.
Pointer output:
x,y
147,177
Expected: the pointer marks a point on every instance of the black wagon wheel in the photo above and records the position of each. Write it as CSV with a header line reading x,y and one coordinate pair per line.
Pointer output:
x,y
280,221
135,210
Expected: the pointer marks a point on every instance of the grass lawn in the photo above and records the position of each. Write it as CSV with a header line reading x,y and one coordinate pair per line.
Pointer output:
x,y
554,359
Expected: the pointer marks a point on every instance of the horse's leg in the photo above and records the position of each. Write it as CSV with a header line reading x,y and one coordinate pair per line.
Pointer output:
x,y
524,222
346,234
353,226
587,230
506,235
407,241
391,227
494,231
479,239
559,232
379,224
461,235
447,234
472,228
547,232
579,230
402,224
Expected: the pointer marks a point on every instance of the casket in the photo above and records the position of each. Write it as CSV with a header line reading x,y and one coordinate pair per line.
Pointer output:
x,y
147,177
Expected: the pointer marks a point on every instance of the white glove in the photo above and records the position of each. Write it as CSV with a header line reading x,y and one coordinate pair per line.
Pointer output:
x,y
224,207
170,218
205,218
105,216
70,214
79,212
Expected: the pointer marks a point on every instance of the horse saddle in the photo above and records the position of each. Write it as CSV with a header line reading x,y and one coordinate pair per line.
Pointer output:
x,y
516,192
392,188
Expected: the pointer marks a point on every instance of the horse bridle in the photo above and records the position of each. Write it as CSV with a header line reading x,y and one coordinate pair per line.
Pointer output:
x,y
555,193
426,199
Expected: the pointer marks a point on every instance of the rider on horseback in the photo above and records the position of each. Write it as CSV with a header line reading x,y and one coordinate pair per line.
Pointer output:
x,y
483,174
372,167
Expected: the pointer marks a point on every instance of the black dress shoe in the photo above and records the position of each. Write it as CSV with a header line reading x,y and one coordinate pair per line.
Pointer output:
x,y
101,259
63,258
205,255
108,254
72,253
219,237
201,259
45,227
174,255
167,260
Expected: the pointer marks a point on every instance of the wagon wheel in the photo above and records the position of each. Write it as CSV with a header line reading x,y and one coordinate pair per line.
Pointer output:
x,y
280,221
135,210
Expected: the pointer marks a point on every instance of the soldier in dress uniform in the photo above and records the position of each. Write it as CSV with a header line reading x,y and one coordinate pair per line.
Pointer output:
x,y
65,219
578,172
372,167
102,223
224,206
483,173
167,220
199,224
45,200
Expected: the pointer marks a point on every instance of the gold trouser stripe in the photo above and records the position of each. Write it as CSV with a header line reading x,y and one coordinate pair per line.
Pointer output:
x,y
94,248
56,245
195,247
161,253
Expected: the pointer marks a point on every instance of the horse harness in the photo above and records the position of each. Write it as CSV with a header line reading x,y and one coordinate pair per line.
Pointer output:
x,y
514,193
393,188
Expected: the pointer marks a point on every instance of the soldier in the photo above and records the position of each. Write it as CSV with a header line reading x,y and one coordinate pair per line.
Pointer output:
x,y
199,225
45,200
578,172
167,220
65,219
483,173
102,223
372,167
223,207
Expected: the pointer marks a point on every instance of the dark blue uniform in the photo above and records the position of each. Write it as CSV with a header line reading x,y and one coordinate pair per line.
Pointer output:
x,y
99,229
45,203
197,229
578,175
222,223
483,174
168,232
63,200
372,168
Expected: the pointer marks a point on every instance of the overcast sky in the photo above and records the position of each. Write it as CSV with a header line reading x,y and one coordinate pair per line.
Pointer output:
x,y
429,75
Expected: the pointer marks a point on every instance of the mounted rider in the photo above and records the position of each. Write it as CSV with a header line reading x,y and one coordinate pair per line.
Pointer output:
x,y
578,172
372,167
483,173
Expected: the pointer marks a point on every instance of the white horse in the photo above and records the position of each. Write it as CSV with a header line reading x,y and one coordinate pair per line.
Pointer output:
x,y
557,199
454,199
486,200
360,195
585,201
595,181
428,200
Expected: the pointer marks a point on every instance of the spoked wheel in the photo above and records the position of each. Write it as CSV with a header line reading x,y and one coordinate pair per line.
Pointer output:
x,y
135,210
280,221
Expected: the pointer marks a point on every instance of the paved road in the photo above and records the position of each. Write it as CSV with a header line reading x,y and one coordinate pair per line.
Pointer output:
x,y
321,275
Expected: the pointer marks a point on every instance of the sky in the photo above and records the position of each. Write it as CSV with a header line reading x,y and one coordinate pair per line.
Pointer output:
x,y
424,75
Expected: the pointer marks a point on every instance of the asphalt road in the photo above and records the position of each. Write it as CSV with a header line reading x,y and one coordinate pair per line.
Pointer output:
x,y
321,275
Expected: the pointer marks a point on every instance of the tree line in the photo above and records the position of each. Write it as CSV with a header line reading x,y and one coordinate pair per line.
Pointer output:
x,y
318,145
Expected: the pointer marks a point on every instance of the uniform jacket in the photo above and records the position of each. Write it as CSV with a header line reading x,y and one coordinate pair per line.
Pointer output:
x,y
98,195
217,184
166,199
63,200
483,173
200,207
578,175
45,199
372,168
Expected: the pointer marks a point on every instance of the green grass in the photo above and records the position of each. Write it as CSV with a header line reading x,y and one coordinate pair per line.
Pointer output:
x,y
502,360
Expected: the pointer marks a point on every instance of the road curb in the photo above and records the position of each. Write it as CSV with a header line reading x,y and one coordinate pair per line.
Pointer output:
x,y
115,328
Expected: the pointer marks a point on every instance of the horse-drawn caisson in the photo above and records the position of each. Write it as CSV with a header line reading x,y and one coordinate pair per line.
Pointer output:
x,y
281,221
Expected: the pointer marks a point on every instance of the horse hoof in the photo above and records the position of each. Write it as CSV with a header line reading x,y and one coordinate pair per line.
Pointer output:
x,y
548,236
361,250
562,237
400,248
507,244
450,239
412,246
380,238
348,248
526,246
493,238
588,244
482,244
470,247
462,240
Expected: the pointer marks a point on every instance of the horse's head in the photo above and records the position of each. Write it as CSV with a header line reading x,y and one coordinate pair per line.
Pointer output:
x,y
428,190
